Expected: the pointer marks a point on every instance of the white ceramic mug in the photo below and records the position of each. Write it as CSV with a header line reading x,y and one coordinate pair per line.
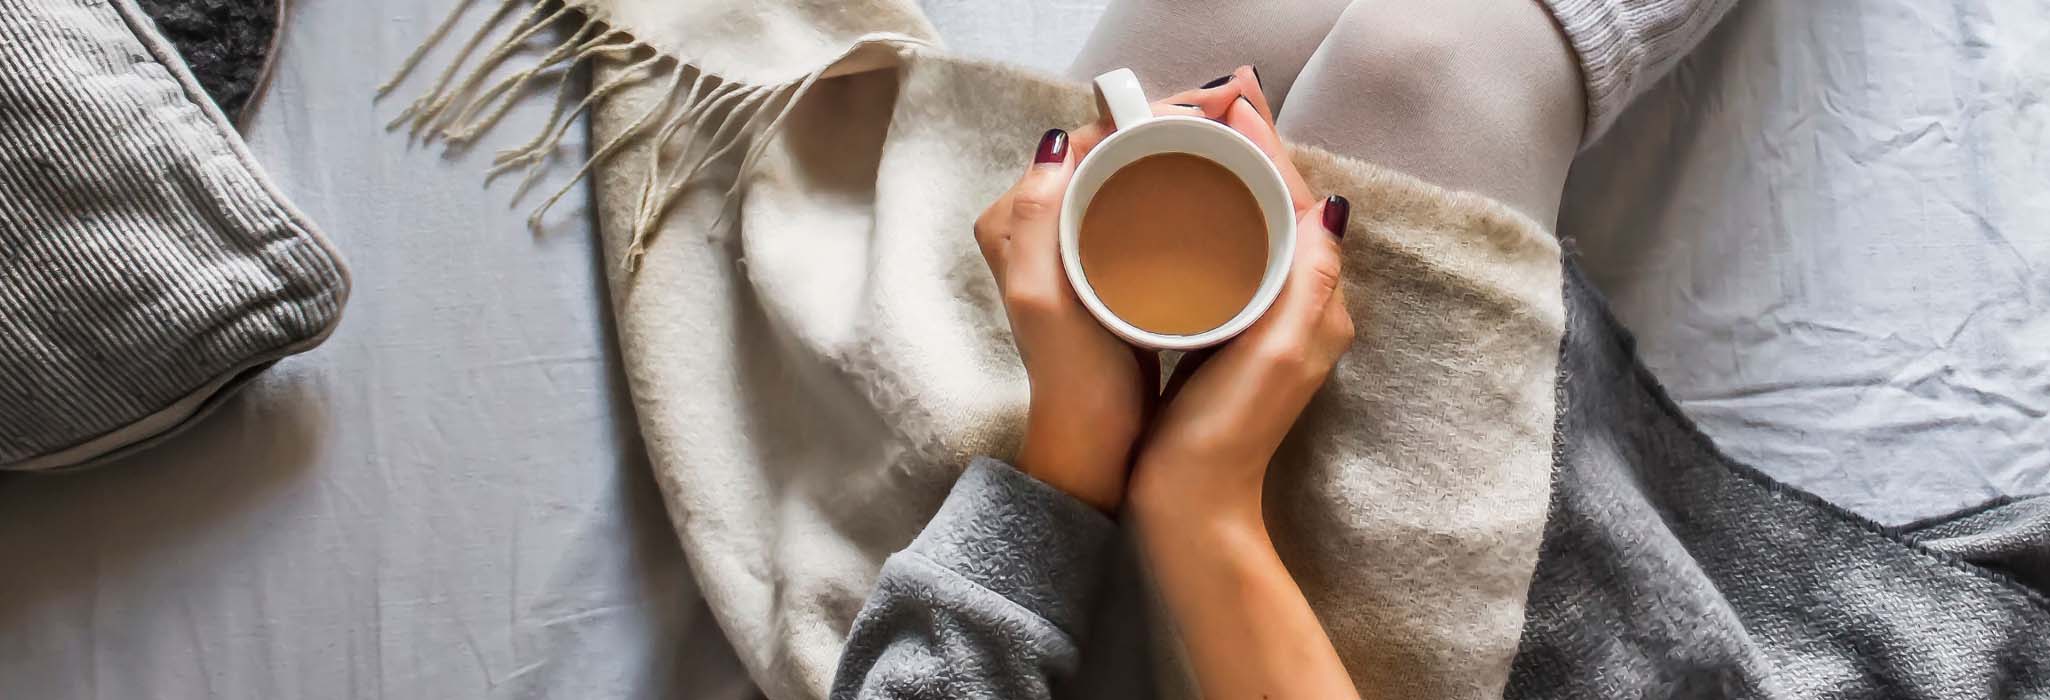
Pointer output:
x,y
1139,134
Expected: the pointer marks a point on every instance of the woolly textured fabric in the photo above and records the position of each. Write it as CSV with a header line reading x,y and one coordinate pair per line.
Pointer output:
x,y
2011,537
146,263
226,43
815,349
992,600
1670,571
812,373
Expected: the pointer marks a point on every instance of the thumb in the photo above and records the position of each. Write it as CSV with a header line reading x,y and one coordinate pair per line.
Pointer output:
x,y
1046,179
1246,119
1314,274
1036,205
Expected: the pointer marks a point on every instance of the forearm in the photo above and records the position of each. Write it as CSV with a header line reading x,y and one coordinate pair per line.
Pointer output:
x,y
1248,629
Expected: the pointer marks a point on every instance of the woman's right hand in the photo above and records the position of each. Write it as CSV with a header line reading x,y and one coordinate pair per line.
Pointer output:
x,y
1195,489
1226,410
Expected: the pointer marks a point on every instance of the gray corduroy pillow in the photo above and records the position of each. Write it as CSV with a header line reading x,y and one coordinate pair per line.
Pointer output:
x,y
147,266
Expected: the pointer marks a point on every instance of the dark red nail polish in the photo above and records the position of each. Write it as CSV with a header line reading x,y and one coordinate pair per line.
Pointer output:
x,y
1217,82
1185,105
1256,77
1053,147
1337,211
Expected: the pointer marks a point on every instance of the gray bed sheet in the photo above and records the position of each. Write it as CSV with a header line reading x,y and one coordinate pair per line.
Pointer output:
x,y
1830,231
447,500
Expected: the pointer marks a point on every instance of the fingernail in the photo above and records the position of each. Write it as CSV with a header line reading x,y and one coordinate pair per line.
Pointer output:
x,y
1256,77
1053,147
1188,106
1217,82
1249,103
1337,211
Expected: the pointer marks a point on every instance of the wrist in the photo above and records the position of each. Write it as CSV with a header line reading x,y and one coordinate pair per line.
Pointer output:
x,y
1209,529
1197,493
1088,462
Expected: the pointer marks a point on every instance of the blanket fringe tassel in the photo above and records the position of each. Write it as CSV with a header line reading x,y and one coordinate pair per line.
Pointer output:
x,y
698,120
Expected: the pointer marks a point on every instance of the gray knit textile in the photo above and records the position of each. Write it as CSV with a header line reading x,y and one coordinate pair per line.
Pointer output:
x,y
1625,46
226,43
1668,570
144,258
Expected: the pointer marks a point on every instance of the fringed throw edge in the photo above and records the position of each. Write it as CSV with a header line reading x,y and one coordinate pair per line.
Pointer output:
x,y
714,116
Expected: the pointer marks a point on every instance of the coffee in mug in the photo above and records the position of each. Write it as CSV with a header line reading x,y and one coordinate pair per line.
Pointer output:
x,y
1176,231
1174,244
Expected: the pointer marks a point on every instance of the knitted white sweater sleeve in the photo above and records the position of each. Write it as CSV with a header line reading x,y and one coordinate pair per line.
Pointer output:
x,y
1626,45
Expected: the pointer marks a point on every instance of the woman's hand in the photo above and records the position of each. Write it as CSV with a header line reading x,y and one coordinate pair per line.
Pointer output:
x,y
1091,392
1196,492
1226,410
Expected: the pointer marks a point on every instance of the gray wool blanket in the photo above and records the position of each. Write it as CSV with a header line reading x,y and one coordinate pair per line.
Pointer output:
x,y
1669,570
1490,497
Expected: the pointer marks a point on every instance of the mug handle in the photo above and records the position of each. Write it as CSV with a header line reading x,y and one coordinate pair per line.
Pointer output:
x,y
1120,92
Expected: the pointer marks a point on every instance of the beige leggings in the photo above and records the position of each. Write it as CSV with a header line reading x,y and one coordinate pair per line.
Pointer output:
x,y
1475,95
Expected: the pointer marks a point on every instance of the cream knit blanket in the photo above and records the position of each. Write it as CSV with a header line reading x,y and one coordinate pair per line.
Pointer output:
x,y
815,349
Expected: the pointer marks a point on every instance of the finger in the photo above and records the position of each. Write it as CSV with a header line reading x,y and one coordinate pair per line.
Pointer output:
x,y
992,236
1314,274
1087,136
1149,383
1032,248
1183,370
1245,118
1208,102
1212,100
1215,96
1338,316
1084,138
1254,90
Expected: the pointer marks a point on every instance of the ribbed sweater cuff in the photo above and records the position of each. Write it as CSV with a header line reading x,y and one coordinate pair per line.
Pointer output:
x,y
1625,46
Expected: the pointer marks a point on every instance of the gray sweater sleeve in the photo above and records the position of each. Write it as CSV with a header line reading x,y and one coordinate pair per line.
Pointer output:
x,y
987,602
1626,45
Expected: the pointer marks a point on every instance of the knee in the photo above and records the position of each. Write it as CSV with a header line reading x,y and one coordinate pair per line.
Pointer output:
x,y
1456,54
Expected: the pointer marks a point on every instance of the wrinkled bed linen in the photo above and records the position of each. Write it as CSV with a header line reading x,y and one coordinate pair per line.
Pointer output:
x,y
447,500
147,263
1829,233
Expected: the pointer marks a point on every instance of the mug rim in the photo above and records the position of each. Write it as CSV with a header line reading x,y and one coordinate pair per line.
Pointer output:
x,y
1271,280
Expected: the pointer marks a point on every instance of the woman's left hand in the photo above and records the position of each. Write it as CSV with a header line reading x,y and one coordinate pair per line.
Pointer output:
x,y
1090,391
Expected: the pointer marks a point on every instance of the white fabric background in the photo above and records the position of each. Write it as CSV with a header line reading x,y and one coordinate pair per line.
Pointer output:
x,y
1830,229
1831,222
